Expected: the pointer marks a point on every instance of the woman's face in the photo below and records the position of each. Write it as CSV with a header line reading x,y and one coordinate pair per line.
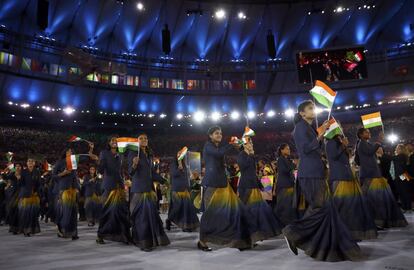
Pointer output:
x,y
398,150
308,112
286,151
18,168
30,163
216,136
112,143
92,170
143,140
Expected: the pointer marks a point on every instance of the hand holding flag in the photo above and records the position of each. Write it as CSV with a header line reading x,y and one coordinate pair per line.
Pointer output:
x,y
332,129
182,153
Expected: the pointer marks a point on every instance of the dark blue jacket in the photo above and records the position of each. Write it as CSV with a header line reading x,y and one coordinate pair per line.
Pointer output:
x,y
339,167
29,183
248,176
67,181
91,187
309,150
179,178
368,165
285,178
110,167
213,156
400,165
144,175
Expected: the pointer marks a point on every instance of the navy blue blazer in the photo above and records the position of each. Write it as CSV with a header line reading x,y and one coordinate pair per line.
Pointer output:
x,y
179,178
91,187
144,175
213,156
285,168
368,165
110,167
400,165
309,149
248,176
67,181
29,183
339,167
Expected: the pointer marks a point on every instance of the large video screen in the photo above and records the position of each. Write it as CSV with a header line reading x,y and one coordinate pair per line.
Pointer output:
x,y
332,65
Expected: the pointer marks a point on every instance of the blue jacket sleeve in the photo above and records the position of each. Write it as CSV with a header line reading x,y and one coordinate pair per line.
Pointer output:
x,y
102,163
131,169
243,160
217,152
369,148
308,142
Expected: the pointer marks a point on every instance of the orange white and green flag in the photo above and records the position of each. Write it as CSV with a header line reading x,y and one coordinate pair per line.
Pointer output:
x,y
127,143
72,162
74,138
248,132
371,120
182,153
323,94
333,129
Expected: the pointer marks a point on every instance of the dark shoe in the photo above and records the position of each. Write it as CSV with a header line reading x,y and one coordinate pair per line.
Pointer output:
x,y
187,230
27,235
379,228
91,224
202,247
291,247
100,241
75,237
168,225
147,249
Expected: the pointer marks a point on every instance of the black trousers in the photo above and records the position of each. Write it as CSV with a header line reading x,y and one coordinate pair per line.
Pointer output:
x,y
405,193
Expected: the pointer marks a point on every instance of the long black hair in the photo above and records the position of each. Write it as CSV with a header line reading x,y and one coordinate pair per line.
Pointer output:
x,y
280,148
108,140
301,108
148,149
212,130
360,132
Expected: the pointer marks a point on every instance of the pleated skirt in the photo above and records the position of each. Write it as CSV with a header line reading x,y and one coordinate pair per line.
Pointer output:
x,y
353,209
28,211
147,226
12,213
93,208
382,204
225,219
182,211
284,208
321,232
264,224
67,215
114,223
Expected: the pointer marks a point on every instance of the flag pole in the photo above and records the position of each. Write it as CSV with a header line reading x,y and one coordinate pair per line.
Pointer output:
x,y
311,82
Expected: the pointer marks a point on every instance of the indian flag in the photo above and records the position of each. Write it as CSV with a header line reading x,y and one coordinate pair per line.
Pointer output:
x,y
74,138
72,162
9,156
47,167
323,94
371,120
125,143
333,129
182,153
10,166
248,132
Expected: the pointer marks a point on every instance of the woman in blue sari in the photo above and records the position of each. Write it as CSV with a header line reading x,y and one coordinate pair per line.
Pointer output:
x,y
320,232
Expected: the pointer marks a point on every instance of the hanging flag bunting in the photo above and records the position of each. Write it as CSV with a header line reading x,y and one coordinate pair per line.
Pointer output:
x,y
125,143
323,94
371,120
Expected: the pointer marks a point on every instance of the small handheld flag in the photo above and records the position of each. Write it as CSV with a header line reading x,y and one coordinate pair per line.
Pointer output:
x,y
248,132
234,140
371,120
333,129
72,162
182,153
125,143
323,94
47,167
9,156
74,138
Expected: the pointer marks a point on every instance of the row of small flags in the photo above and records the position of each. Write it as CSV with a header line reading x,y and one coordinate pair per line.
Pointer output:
x,y
326,97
